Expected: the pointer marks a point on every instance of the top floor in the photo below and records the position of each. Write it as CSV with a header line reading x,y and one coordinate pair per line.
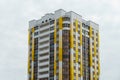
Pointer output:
x,y
62,13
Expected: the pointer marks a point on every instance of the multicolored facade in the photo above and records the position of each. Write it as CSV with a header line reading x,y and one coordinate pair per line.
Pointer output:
x,y
63,46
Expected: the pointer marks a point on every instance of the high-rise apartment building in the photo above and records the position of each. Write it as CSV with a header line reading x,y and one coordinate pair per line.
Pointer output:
x,y
63,46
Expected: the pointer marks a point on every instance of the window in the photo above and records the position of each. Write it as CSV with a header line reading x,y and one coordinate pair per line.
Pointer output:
x,y
44,42
52,28
92,32
96,34
66,19
44,60
93,49
45,72
36,33
36,27
79,32
45,20
85,26
43,25
96,39
44,54
92,38
66,25
74,74
74,23
49,18
51,36
44,36
52,22
44,48
43,79
44,30
78,25
44,66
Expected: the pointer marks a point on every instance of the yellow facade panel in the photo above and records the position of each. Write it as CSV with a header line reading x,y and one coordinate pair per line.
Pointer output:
x,y
80,33
98,39
76,24
90,34
55,48
71,36
32,49
28,37
28,63
32,78
71,54
71,68
55,33
28,53
81,69
95,45
91,56
60,23
60,73
60,48
60,54
33,30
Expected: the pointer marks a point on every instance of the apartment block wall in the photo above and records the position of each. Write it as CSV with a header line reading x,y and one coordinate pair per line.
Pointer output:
x,y
63,46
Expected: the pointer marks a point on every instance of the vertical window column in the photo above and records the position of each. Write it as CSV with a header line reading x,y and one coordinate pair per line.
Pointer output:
x,y
35,58
51,73
66,55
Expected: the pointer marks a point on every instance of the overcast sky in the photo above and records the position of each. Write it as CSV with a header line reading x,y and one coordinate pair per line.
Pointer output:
x,y
14,17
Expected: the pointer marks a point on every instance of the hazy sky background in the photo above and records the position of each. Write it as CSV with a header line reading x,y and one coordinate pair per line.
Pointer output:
x,y
14,17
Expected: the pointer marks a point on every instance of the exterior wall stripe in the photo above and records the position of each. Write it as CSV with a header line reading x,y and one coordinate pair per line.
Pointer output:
x,y
81,66
76,41
55,32
95,69
60,48
90,46
95,56
71,53
32,75
55,50
28,52
81,34
98,65
76,51
98,54
98,39
32,44
71,36
94,45
90,34
28,37
28,63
